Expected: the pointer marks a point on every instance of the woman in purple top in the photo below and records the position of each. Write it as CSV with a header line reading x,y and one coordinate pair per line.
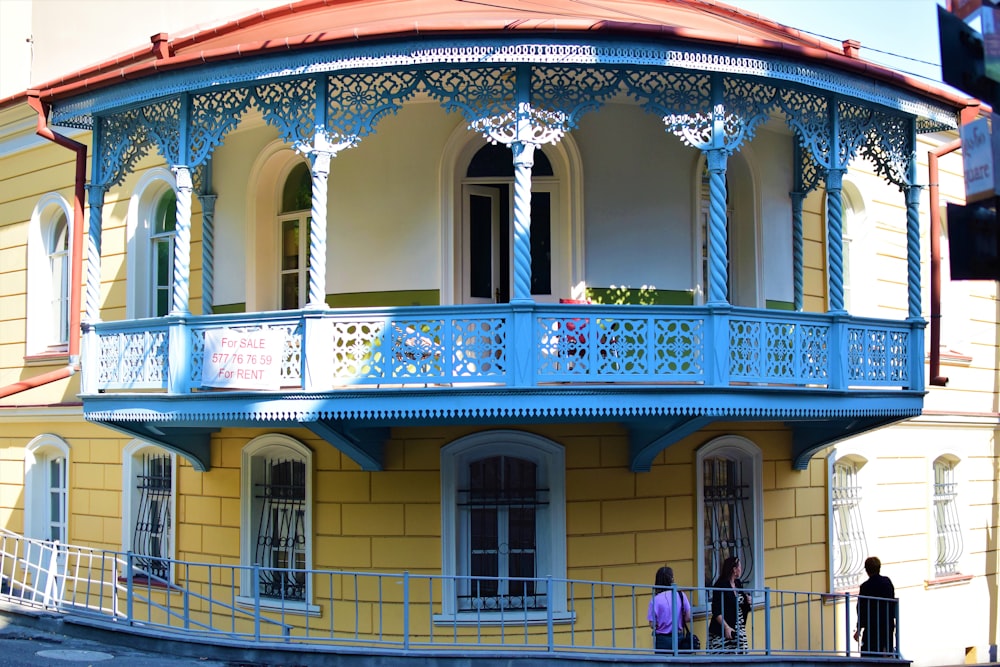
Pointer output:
x,y
665,608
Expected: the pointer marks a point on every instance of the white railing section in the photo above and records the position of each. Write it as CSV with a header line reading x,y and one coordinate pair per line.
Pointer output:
x,y
375,612
523,345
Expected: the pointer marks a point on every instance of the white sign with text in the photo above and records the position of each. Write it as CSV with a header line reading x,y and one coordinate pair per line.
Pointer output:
x,y
242,359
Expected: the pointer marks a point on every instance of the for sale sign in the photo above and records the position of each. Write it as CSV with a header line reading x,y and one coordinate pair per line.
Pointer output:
x,y
242,359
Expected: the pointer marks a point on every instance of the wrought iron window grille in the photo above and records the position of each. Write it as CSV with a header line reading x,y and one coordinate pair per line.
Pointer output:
x,y
947,524
727,503
151,537
850,544
281,537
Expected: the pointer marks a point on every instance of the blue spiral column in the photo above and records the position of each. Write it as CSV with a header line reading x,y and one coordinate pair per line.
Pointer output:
x,y
835,238
524,158
182,243
317,230
913,250
718,249
207,253
798,251
95,195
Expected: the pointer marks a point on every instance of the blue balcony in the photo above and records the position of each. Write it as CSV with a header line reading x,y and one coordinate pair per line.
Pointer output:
x,y
664,372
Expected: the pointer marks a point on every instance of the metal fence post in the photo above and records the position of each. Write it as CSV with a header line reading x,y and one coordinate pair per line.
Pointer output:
x,y
406,610
767,620
256,602
129,574
847,623
550,631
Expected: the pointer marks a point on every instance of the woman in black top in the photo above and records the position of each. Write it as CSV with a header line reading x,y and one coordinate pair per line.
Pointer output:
x,y
730,607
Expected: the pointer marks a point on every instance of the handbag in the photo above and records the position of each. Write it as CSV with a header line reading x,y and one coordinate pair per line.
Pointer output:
x,y
688,641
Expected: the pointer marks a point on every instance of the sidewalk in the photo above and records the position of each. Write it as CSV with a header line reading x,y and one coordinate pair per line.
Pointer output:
x,y
28,642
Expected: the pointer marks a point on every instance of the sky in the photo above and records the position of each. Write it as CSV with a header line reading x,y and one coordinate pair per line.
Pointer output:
x,y
901,34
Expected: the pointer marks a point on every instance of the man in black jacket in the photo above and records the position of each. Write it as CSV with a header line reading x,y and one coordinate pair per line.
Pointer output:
x,y
876,612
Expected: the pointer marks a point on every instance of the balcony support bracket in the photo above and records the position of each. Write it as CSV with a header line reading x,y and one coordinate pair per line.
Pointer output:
x,y
646,443
810,437
193,443
363,446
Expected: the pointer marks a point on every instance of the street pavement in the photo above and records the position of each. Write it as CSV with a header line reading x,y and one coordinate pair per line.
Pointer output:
x,y
26,646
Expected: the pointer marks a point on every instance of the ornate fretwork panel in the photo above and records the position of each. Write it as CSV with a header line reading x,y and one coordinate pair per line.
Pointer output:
x,y
479,347
809,117
124,141
133,359
213,116
163,122
485,96
418,349
290,106
889,147
809,175
855,123
747,105
569,92
622,346
356,102
359,350
679,347
682,99
876,356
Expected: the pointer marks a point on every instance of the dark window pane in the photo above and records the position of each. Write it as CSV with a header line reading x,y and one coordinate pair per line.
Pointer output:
x,y
496,160
297,194
481,247
541,243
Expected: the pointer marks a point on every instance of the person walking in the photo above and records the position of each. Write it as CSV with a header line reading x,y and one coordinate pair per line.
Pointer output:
x,y
730,607
876,612
666,609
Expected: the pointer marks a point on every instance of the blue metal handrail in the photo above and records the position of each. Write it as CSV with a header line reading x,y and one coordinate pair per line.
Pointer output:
x,y
523,345
385,612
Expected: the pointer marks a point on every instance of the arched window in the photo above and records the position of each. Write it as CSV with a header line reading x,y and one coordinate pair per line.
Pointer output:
x,y
849,543
48,313
153,220
293,221
46,488
730,503
947,525
148,508
503,523
276,523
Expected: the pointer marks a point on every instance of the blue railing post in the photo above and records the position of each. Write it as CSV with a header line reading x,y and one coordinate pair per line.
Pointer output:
x,y
178,355
549,629
717,345
128,587
406,610
522,345
316,368
767,620
840,355
256,602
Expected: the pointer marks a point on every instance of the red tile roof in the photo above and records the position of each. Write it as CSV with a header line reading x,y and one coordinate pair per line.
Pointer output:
x,y
310,23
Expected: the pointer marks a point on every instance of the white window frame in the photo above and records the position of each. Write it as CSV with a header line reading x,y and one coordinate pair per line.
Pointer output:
x,y
132,464
46,333
141,263
854,508
749,457
946,503
273,445
550,524
37,488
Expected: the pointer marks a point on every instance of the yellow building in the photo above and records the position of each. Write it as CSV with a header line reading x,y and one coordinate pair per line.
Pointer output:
x,y
396,326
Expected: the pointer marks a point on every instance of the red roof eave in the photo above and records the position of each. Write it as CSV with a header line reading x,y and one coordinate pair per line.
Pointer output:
x,y
141,63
